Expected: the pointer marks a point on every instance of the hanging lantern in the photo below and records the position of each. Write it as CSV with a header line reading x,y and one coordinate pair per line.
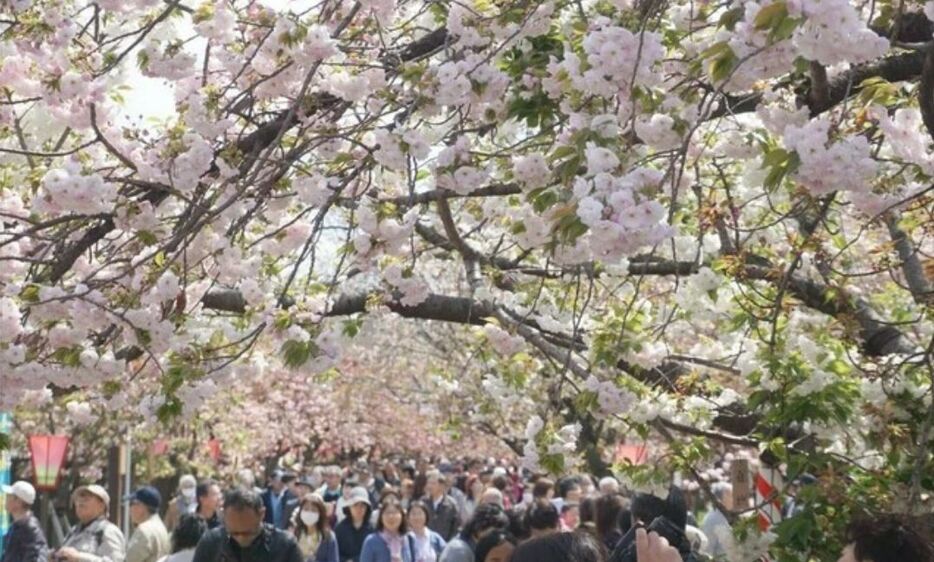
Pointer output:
x,y
48,454
214,449
159,447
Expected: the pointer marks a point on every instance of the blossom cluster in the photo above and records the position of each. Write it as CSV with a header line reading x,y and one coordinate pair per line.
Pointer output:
x,y
826,166
621,217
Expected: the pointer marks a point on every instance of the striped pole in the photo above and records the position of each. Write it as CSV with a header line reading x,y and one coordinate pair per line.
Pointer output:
x,y
768,487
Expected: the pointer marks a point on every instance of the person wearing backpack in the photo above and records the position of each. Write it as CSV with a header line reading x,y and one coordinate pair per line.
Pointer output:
x,y
94,538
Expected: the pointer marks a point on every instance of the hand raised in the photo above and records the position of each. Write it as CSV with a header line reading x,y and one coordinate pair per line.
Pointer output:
x,y
650,547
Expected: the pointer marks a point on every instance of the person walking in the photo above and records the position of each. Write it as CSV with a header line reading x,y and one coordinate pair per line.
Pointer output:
x,y
24,540
315,538
245,537
149,541
208,503
94,538
185,538
444,519
428,544
608,508
488,517
184,502
276,497
353,530
390,542
716,526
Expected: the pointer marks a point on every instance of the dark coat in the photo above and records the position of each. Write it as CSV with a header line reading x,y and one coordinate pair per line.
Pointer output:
x,y
273,545
350,539
25,542
287,498
443,519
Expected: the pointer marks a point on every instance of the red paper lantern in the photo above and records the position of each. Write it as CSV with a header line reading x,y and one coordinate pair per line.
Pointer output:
x,y
214,449
159,447
636,454
48,454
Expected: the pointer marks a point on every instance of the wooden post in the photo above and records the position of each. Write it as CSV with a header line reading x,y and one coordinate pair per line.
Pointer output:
x,y
742,483
45,513
115,483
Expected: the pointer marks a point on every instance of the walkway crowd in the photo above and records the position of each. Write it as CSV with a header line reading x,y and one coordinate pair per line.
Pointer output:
x,y
449,512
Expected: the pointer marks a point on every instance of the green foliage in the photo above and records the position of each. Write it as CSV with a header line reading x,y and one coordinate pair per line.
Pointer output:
x,y
296,353
721,60
536,109
781,163
877,91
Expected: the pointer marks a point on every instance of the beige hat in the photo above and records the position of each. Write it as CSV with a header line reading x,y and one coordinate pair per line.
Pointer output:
x,y
95,490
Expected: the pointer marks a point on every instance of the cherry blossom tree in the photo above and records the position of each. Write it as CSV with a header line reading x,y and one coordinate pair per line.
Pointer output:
x,y
702,222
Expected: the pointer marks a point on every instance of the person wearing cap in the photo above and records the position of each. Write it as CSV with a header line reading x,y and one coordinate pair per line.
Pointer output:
x,y
150,540
276,497
353,530
24,541
342,503
183,503
94,538
244,537
302,488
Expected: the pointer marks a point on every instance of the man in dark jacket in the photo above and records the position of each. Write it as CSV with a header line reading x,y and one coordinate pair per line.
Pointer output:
x,y
24,542
244,537
276,497
444,518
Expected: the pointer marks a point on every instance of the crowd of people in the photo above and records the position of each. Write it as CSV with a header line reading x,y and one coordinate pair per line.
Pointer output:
x,y
449,512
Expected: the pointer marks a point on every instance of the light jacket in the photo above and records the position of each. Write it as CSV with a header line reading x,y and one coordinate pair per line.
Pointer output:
x,y
149,542
98,541
376,549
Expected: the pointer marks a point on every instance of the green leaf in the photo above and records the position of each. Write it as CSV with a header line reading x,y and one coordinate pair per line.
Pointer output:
x,y
296,353
352,327
30,293
142,59
771,15
730,18
147,238
722,66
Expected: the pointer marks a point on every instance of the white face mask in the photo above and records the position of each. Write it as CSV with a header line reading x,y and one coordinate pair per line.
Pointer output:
x,y
188,493
309,517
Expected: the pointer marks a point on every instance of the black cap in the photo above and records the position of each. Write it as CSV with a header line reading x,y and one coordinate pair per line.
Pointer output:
x,y
148,496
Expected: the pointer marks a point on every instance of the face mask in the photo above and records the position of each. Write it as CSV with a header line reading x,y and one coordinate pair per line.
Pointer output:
x,y
188,493
309,517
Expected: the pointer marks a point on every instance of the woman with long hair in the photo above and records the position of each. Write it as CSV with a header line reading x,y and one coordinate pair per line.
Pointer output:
x,y
474,491
426,544
312,531
390,542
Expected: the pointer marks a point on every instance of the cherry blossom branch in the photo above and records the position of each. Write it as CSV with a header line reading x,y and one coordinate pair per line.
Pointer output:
x,y
895,68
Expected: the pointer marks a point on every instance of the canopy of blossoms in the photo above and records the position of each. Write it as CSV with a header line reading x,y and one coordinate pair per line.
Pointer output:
x,y
706,223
